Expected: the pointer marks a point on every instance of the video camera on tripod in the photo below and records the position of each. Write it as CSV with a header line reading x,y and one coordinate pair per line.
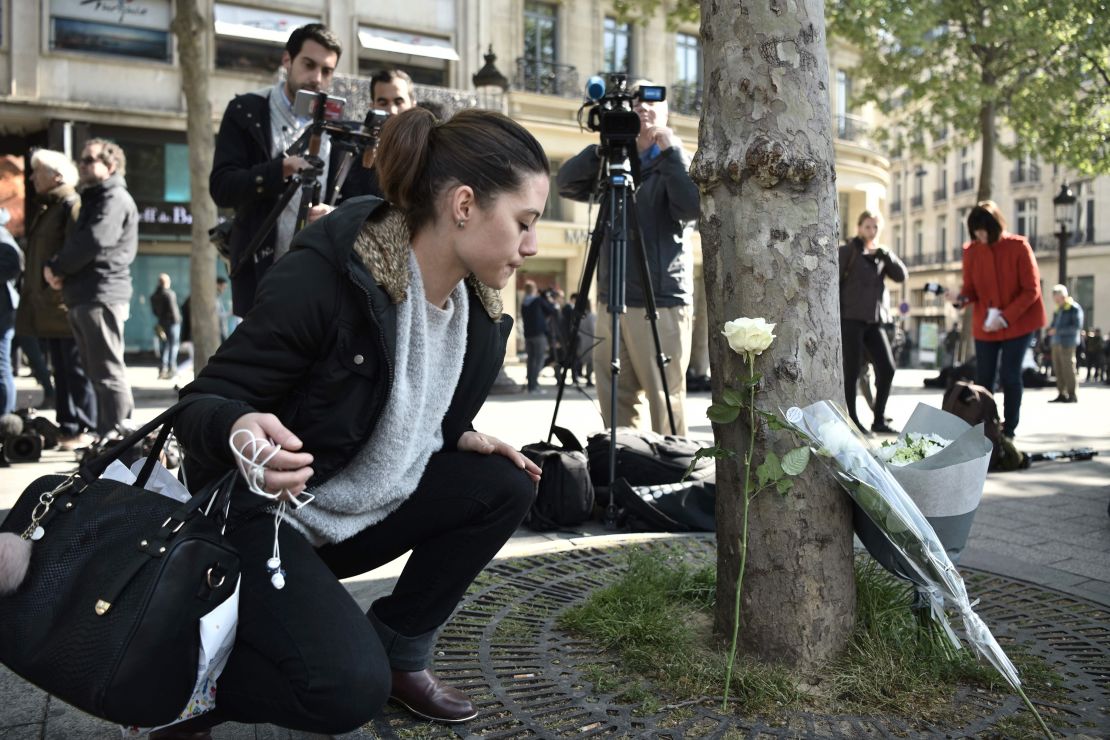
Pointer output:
x,y
613,113
350,137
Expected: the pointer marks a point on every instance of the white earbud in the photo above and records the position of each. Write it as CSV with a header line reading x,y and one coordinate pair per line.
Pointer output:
x,y
277,573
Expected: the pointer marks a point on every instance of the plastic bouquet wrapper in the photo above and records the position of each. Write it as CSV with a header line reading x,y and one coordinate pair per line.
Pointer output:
x,y
941,463
884,501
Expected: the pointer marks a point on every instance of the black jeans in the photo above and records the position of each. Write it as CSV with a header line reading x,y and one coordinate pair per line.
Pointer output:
x,y
307,657
859,336
75,401
1003,358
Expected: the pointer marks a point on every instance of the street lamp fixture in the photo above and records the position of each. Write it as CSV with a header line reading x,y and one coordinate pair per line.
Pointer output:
x,y
1064,206
489,75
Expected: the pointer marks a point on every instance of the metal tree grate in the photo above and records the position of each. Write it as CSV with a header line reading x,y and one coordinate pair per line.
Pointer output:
x,y
531,680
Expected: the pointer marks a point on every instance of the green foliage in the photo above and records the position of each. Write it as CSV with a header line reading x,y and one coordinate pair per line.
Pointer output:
x,y
676,13
722,413
1044,67
656,617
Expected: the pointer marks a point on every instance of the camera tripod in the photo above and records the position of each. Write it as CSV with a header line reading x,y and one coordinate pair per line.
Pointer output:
x,y
618,225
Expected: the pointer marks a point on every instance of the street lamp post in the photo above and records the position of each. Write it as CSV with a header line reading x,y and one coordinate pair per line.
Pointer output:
x,y
1064,206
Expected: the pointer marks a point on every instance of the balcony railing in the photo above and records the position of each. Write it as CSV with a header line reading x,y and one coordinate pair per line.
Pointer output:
x,y
546,78
895,206
853,128
684,98
917,201
1025,175
940,194
962,186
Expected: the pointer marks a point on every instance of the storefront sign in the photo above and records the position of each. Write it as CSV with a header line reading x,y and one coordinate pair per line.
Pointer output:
x,y
134,13
165,219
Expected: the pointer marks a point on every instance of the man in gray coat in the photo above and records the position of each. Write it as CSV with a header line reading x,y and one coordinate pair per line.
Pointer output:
x,y
666,196
93,271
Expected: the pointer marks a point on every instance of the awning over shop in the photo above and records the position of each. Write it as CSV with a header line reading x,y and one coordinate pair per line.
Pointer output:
x,y
257,25
401,42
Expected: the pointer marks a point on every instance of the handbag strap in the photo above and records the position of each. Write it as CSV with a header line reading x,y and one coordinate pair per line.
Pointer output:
x,y
90,470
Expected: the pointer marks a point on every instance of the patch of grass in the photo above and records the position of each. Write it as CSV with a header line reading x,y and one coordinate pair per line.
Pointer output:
x,y
657,617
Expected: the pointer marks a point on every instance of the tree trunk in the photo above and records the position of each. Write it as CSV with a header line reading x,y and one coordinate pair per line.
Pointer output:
x,y
768,226
986,164
190,27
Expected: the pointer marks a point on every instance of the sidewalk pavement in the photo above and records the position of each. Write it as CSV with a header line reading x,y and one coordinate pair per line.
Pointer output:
x,y
1047,525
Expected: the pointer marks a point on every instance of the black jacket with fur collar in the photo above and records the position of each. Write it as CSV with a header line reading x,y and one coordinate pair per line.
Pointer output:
x,y
317,349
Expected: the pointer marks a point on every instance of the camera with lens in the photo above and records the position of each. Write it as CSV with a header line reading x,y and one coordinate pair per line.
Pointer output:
x,y
19,442
613,114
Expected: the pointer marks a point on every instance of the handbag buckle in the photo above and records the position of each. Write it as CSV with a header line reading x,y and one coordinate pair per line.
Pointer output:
x,y
102,607
216,572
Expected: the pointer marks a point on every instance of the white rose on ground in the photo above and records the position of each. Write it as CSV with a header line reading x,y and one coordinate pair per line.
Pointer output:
x,y
748,335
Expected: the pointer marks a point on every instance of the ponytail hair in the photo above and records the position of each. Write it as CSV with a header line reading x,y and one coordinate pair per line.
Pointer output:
x,y
420,157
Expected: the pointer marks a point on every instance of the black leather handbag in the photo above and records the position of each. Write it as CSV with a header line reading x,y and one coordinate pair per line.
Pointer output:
x,y
107,616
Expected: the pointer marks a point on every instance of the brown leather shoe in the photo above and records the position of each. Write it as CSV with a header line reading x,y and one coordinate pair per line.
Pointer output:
x,y
423,694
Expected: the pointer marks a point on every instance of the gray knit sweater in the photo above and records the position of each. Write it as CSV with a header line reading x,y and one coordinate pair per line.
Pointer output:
x,y
431,343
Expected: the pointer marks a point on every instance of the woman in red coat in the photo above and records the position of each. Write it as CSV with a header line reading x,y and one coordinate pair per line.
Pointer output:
x,y
1002,280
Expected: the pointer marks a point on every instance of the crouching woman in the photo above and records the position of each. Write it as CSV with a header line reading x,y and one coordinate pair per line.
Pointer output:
x,y
369,350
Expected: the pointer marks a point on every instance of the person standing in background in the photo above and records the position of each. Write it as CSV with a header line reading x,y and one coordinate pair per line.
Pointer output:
x,y
1066,332
163,303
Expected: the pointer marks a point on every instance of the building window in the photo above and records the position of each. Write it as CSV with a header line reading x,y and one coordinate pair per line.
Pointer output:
x,y
1082,288
961,219
942,237
941,193
898,241
685,93
918,242
918,200
138,29
617,43
539,32
844,201
965,178
1025,217
253,40
424,58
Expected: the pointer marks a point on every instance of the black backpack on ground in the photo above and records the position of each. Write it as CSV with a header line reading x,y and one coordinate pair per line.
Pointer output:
x,y
645,458
565,494
976,405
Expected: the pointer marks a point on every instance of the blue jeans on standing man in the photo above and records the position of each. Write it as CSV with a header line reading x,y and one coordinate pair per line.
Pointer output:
x,y
7,377
1011,352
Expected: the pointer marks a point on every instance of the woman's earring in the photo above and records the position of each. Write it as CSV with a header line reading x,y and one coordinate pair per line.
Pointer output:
x,y
462,222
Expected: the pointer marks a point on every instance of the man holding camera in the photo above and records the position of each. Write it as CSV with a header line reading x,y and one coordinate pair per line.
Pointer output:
x,y
250,167
666,196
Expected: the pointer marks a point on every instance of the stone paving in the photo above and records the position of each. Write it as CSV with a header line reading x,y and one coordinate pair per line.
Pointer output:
x,y
1047,526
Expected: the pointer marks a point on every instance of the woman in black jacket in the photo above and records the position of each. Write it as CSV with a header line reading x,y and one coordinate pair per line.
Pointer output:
x,y
864,266
369,350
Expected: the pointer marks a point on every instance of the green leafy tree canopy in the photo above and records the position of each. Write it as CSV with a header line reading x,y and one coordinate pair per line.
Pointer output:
x,y
1039,67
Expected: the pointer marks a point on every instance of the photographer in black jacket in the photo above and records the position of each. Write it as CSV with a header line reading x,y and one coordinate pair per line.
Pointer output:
x,y
665,198
250,169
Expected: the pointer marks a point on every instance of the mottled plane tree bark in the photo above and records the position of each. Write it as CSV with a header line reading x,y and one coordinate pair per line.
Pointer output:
x,y
769,239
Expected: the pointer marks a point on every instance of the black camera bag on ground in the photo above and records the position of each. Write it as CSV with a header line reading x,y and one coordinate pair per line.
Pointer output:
x,y
668,507
975,404
565,494
645,458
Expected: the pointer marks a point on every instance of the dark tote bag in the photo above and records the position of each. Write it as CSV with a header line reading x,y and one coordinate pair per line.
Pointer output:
x,y
107,616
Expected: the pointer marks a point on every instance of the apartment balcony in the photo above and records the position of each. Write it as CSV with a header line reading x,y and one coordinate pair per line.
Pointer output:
x,y
684,98
962,186
854,129
1025,176
546,78
940,195
917,201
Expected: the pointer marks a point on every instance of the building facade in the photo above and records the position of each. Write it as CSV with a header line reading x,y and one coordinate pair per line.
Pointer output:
x,y
71,69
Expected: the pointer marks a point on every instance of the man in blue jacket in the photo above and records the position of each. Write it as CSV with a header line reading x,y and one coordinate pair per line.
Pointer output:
x,y
93,271
666,196
1066,332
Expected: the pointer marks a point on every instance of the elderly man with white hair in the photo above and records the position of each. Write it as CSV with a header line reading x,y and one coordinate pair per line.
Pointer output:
x,y
41,314
1066,332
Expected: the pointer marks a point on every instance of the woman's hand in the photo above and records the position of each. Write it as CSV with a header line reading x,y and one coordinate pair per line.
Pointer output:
x,y
288,471
484,444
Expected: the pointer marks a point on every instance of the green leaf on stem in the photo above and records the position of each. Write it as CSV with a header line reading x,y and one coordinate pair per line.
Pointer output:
x,y
722,413
770,471
713,451
752,381
784,486
733,397
795,461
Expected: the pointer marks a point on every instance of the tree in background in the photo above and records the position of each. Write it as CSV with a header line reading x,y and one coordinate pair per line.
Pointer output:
x,y
769,236
190,27
1040,68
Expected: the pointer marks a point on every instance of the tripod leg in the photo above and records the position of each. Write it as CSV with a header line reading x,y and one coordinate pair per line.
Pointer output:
x,y
267,225
661,359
